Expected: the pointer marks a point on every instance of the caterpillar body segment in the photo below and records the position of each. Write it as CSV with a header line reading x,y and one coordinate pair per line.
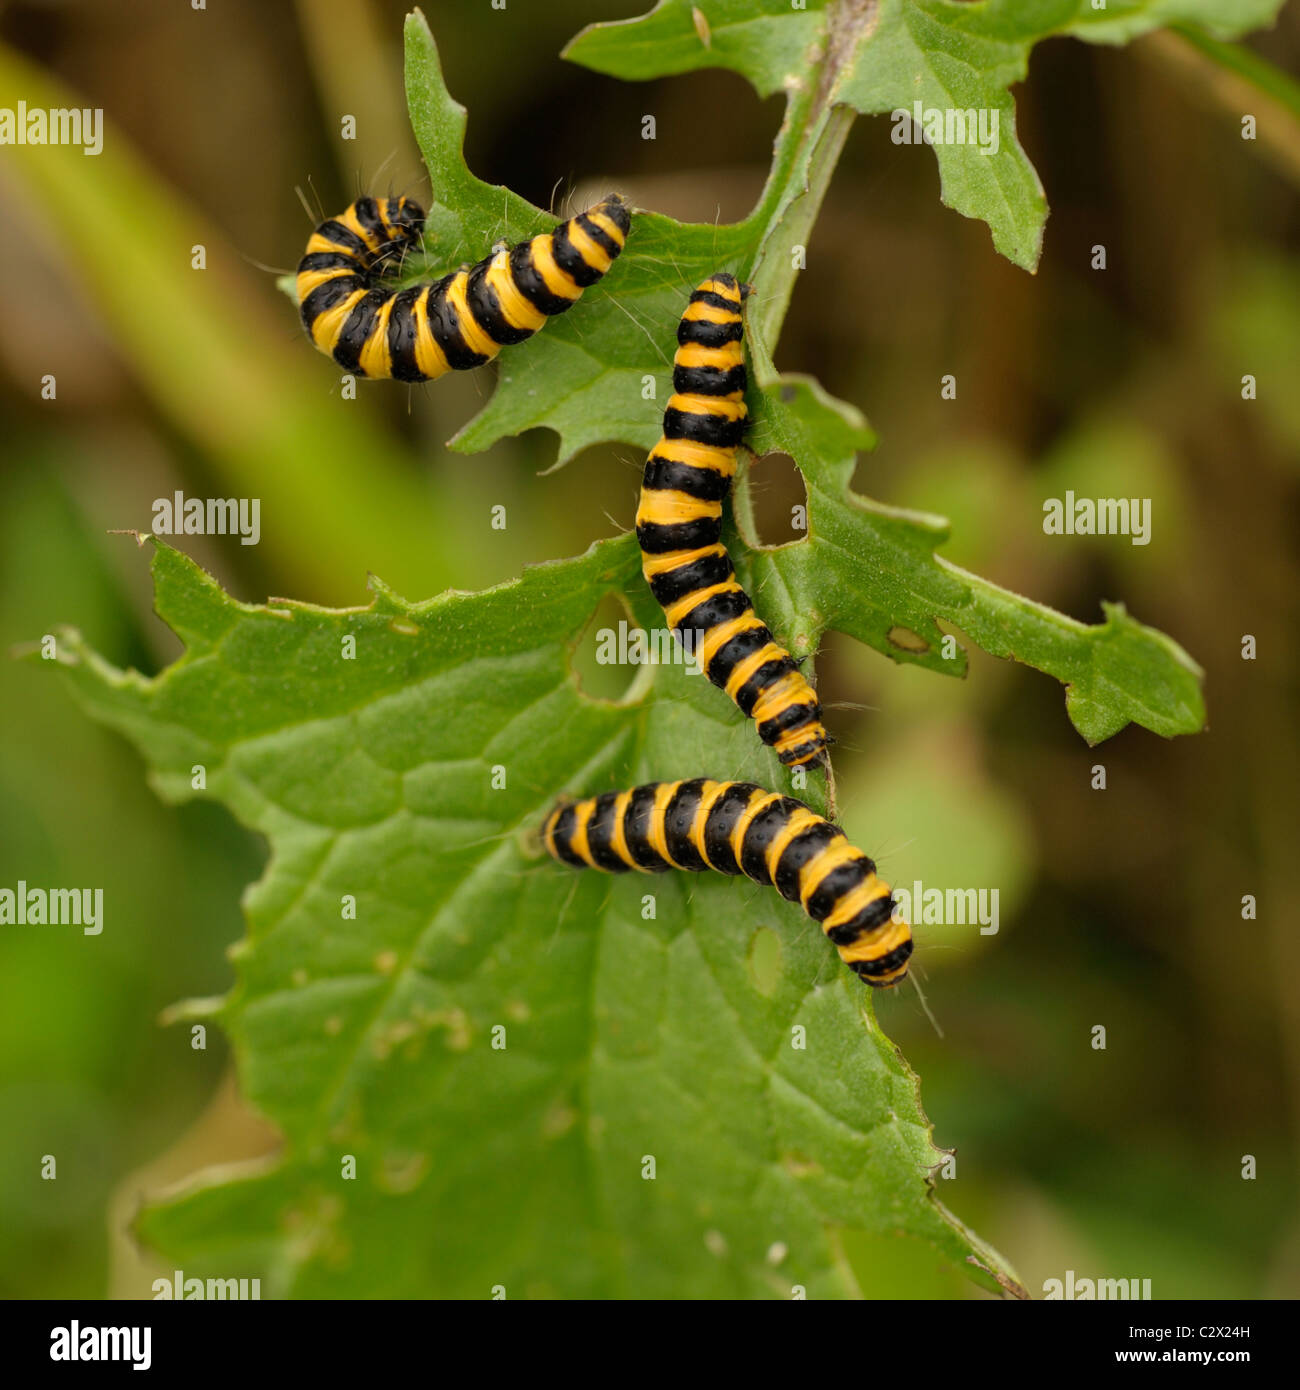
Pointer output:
x,y
679,528
458,322
740,828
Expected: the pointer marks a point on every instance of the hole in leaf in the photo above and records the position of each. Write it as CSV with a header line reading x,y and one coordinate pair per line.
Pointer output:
x,y
908,641
601,657
778,500
765,960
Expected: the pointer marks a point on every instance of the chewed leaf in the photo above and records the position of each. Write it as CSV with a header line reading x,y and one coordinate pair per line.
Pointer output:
x,y
898,55
563,1084
871,571
866,569
501,1044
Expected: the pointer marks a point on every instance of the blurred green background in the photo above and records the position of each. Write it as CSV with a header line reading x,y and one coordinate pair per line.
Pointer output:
x,y
1119,908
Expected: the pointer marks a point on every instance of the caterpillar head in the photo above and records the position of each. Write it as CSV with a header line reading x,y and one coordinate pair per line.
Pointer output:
x,y
614,207
727,285
406,218
724,284
887,969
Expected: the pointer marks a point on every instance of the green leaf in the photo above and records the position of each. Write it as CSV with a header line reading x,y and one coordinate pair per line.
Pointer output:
x,y
870,571
375,775
867,569
883,57
769,42
523,1166
463,206
582,375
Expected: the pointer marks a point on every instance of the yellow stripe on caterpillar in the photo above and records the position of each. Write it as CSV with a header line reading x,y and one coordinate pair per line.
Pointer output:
x,y
739,828
462,320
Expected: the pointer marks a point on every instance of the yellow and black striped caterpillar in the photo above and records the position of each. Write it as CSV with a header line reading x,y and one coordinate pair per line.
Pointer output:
x,y
739,828
458,322
679,528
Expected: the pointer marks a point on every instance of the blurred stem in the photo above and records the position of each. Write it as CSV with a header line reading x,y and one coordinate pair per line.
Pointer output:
x,y
352,67
1237,80
220,361
1247,64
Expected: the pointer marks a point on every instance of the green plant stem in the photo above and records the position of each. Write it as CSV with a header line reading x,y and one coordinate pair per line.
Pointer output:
x,y
1232,78
816,128
1236,57
776,274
